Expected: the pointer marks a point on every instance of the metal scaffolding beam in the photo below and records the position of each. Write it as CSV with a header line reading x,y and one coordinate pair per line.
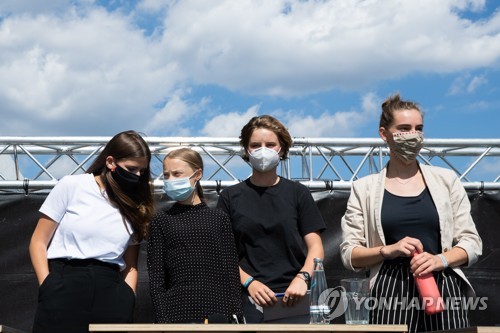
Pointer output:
x,y
29,164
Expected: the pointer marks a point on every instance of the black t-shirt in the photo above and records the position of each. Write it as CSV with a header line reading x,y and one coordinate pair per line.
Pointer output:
x,y
415,217
269,224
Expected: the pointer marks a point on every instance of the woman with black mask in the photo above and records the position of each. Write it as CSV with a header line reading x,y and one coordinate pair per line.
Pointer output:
x,y
86,244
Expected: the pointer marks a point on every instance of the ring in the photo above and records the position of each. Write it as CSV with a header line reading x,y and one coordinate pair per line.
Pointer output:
x,y
291,298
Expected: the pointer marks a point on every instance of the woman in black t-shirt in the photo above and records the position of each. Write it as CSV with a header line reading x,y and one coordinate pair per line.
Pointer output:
x,y
276,224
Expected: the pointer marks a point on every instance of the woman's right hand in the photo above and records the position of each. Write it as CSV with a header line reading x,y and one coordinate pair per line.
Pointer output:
x,y
404,248
261,294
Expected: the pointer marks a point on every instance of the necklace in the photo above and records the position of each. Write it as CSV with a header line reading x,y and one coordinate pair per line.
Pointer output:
x,y
403,182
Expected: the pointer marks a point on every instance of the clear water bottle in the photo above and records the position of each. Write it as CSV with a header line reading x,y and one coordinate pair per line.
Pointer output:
x,y
319,309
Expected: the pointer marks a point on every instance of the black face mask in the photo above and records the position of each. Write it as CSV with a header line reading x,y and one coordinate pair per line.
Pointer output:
x,y
127,180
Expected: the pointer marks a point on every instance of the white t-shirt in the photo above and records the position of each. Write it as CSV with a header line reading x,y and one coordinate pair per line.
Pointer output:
x,y
89,226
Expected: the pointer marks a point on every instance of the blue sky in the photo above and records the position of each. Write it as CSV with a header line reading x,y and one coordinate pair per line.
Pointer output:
x,y
204,67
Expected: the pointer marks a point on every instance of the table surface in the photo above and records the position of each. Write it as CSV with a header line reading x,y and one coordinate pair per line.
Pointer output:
x,y
7,329
244,328
475,329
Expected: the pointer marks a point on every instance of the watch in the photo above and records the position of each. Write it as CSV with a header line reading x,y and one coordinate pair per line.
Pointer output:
x,y
304,276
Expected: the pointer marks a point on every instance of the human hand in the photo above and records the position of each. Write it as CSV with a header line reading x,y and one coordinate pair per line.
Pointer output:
x,y
425,263
295,292
261,294
404,248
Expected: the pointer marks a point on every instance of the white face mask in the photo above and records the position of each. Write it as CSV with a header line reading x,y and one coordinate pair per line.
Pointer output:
x,y
263,159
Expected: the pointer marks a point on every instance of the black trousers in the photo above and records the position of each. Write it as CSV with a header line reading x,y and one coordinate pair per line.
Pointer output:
x,y
79,292
399,301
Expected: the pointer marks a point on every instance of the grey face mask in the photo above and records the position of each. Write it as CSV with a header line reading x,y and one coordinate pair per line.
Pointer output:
x,y
407,145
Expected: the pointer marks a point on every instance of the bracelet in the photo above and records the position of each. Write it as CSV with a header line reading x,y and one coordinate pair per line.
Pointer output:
x,y
380,251
247,282
443,259
304,276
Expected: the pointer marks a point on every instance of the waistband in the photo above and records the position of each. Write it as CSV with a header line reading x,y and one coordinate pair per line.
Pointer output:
x,y
85,263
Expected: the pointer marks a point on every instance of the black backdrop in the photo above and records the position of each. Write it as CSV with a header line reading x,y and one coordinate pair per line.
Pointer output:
x,y
18,287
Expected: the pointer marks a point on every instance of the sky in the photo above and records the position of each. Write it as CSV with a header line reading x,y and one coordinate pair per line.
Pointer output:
x,y
205,67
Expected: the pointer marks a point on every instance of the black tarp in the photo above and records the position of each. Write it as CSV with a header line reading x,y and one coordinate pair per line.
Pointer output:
x,y
18,287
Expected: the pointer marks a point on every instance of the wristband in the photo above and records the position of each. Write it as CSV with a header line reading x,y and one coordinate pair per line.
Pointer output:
x,y
304,276
247,282
443,259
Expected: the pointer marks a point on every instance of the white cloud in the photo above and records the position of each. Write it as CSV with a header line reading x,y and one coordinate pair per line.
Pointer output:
x,y
32,6
154,5
475,83
458,85
319,45
338,124
465,84
70,73
176,113
229,124
73,68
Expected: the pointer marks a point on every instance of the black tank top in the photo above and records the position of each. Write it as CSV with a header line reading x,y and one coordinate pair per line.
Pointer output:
x,y
415,217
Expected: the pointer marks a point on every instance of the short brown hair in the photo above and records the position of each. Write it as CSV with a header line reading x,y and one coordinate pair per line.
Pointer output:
x,y
270,123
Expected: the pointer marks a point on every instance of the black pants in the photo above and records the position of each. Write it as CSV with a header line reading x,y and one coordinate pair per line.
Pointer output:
x,y
395,284
79,292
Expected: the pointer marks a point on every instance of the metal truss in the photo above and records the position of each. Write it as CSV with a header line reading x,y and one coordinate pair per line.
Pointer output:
x,y
29,164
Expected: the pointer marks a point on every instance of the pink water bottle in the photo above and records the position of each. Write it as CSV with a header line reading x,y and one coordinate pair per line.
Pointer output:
x,y
429,293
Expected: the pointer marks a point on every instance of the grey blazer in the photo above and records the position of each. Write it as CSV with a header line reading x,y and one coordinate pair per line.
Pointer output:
x,y
361,224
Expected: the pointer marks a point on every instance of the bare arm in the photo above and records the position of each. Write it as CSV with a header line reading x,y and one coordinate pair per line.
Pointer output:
x,y
260,293
130,273
298,287
424,263
38,246
367,257
314,246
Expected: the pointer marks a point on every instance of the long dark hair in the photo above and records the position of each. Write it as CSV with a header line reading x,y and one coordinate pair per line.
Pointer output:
x,y
137,208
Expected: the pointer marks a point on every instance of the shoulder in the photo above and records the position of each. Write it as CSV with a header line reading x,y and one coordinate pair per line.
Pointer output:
x,y
438,173
236,188
76,179
367,180
219,213
203,210
239,186
436,170
292,184
159,217
72,183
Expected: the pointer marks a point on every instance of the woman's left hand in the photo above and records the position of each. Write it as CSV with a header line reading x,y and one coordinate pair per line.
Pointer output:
x,y
295,292
424,263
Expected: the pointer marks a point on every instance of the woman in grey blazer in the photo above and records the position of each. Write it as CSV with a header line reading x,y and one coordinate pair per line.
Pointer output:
x,y
410,220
